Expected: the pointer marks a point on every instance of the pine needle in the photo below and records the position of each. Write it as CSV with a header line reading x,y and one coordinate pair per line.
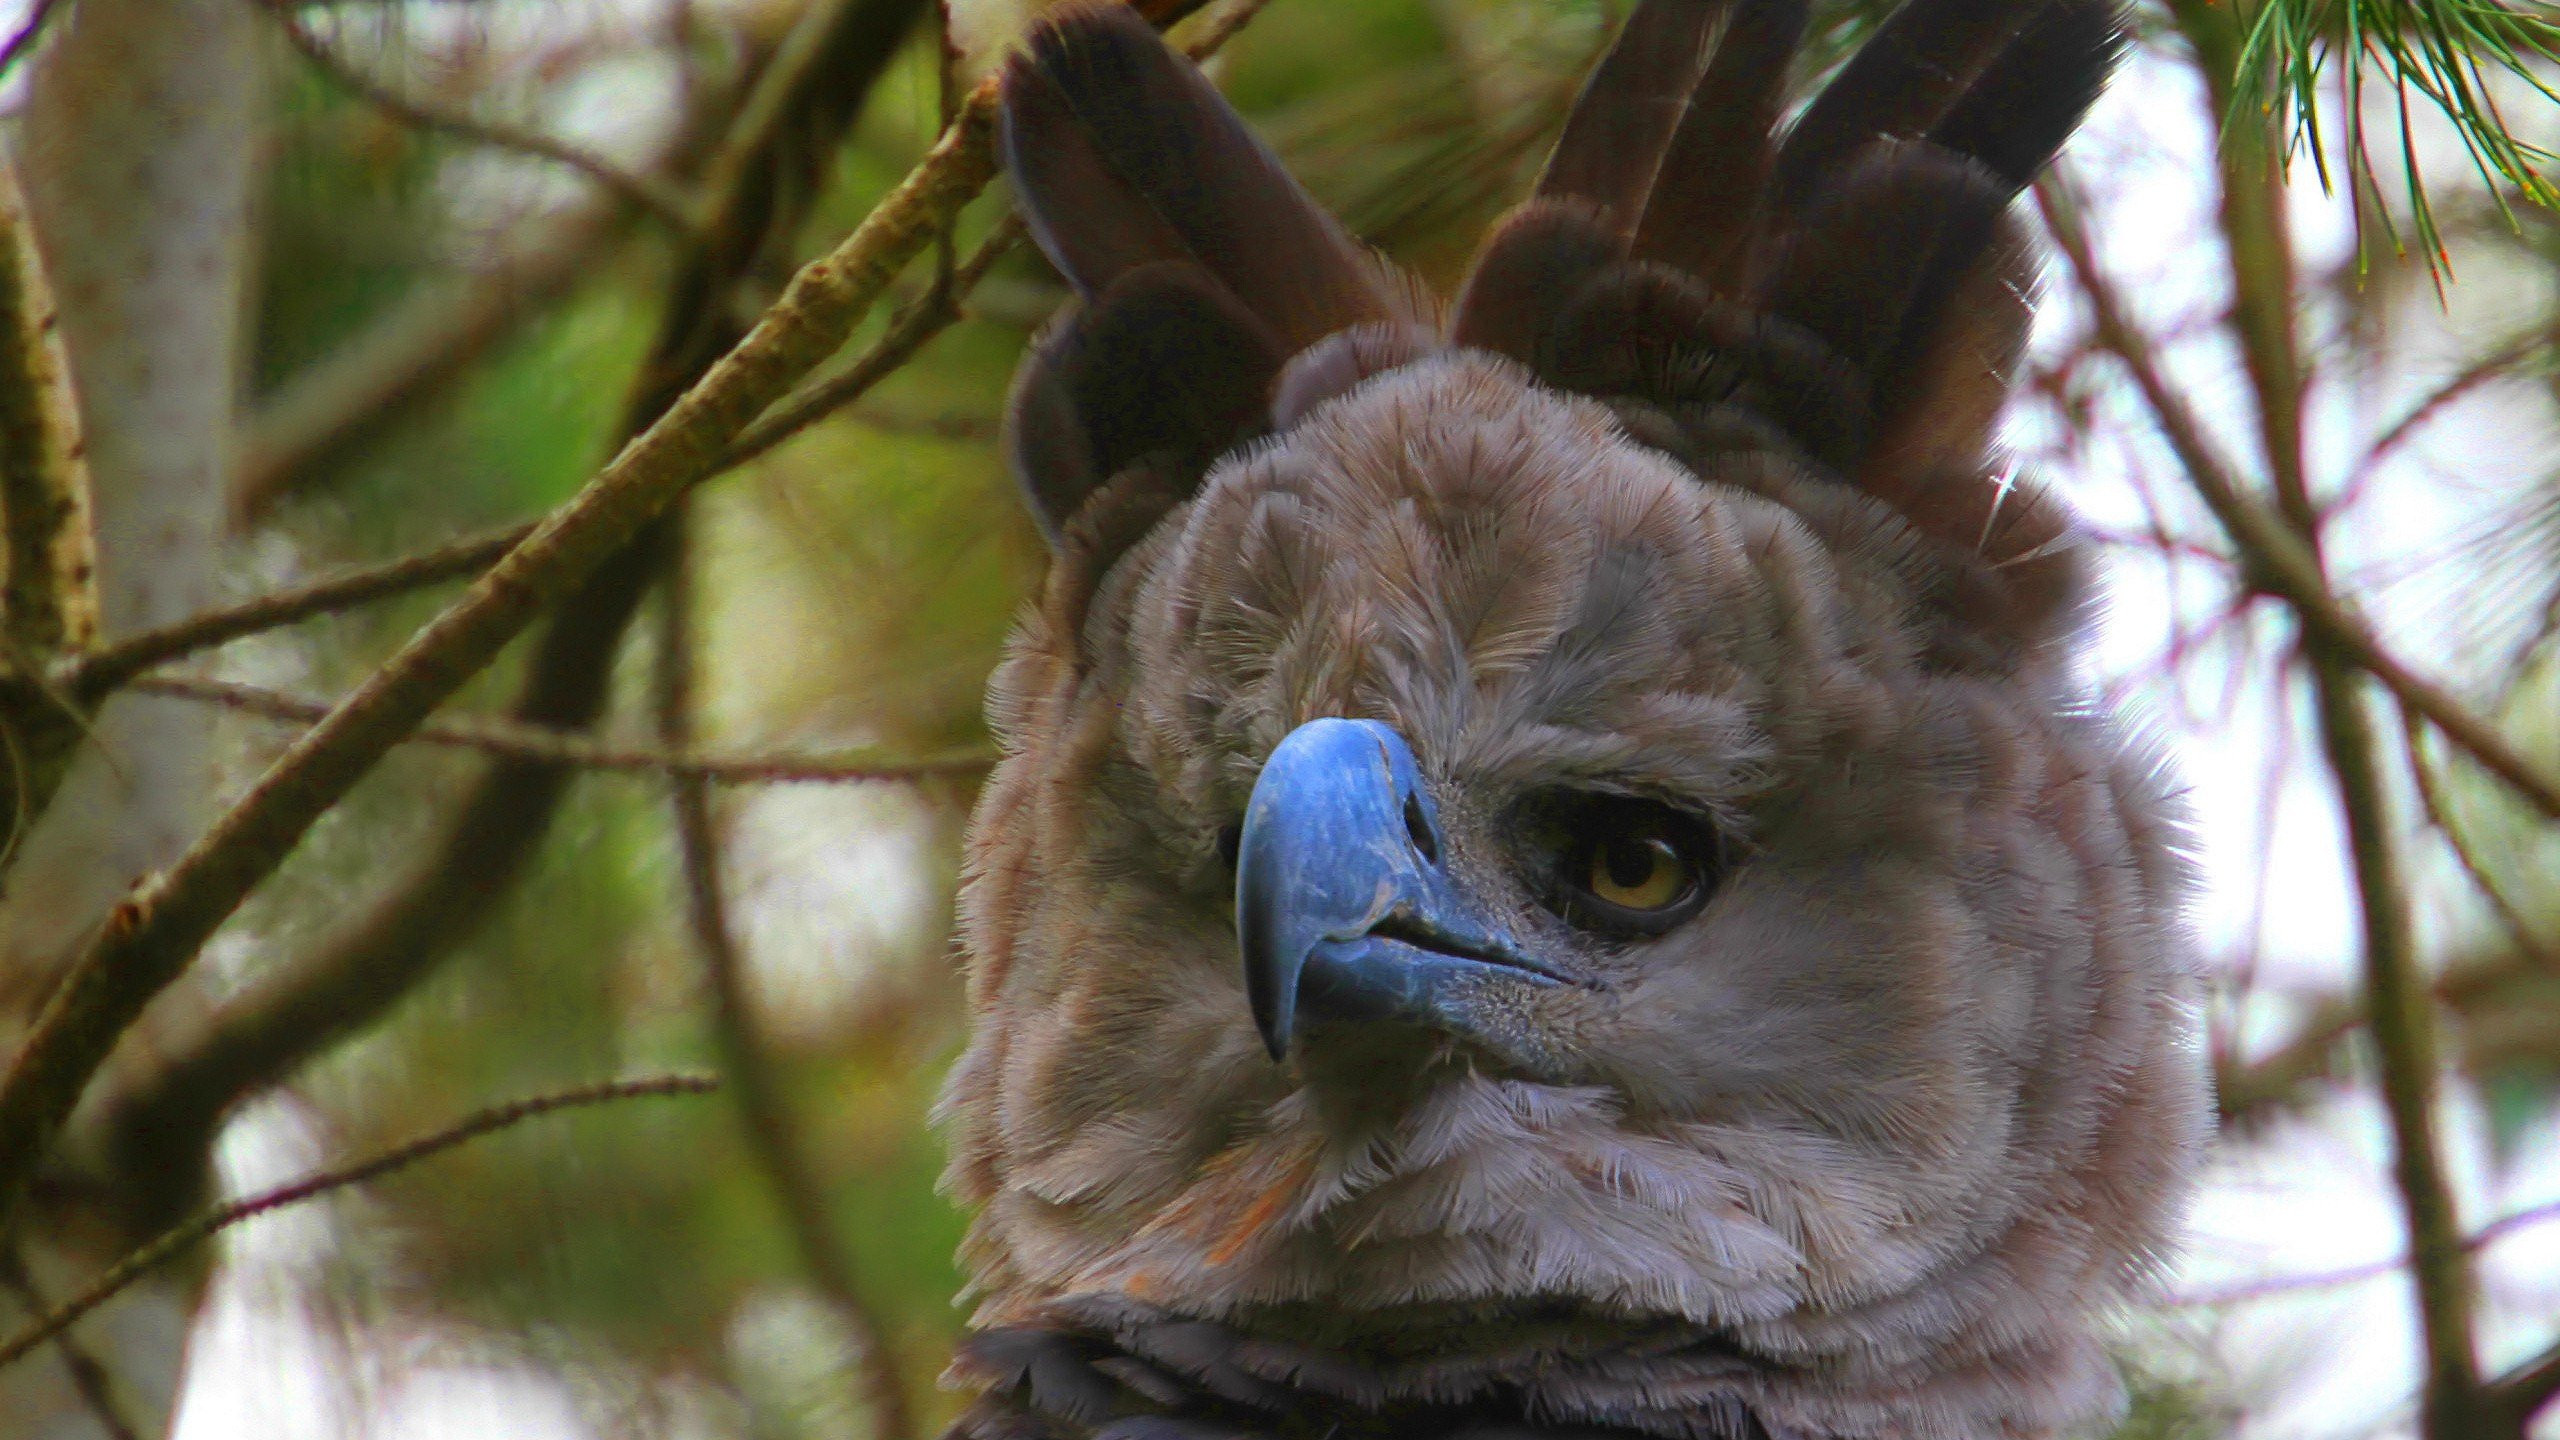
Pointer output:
x,y
2444,52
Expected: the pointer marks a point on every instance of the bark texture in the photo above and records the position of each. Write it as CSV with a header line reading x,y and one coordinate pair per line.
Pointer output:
x,y
141,144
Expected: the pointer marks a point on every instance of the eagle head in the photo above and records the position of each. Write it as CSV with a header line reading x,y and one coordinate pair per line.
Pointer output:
x,y
1553,872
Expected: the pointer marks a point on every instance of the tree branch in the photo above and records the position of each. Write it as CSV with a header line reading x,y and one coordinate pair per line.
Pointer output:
x,y
2285,547
209,1223
542,746
48,556
641,192
766,173
2275,560
151,938
2403,1025
89,678
772,1132
356,973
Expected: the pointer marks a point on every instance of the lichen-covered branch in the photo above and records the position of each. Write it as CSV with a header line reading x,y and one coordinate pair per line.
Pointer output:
x,y
48,590
767,171
151,938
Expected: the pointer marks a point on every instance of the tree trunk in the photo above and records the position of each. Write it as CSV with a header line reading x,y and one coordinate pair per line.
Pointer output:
x,y
139,158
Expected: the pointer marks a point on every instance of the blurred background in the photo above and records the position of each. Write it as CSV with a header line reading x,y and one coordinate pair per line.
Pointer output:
x,y
477,243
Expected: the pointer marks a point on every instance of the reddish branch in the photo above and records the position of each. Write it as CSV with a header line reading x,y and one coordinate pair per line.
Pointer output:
x,y
2273,558
2280,553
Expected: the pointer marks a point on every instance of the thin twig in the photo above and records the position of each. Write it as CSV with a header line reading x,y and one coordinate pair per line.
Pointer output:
x,y
2255,1290
769,171
513,738
205,1225
2274,558
89,1377
88,678
150,939
638,190
773,1133
2281,552
2499,363
909,331
2432,799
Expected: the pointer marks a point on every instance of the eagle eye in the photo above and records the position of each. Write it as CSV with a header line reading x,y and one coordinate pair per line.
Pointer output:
x,y
1622,865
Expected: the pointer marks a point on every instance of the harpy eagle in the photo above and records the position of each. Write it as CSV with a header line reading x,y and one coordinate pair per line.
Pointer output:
x,y
1553,872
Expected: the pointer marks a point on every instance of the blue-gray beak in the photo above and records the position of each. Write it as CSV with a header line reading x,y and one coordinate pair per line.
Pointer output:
x,y
1343,909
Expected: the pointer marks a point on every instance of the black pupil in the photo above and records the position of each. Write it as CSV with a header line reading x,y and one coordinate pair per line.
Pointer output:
x,y
1631,862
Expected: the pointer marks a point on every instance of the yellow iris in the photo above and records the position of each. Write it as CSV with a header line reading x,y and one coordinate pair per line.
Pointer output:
x,y
1638,872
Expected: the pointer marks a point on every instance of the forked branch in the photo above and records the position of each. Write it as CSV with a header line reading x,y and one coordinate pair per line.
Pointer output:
x,y
152,937
2275,560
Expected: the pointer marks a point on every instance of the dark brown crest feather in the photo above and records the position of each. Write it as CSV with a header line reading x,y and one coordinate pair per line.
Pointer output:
x,y
1089,221
1635,98
1044,438
1534,262
1117,144
2026,103
1164,365
1909,75
1168,363
1872,266
1653,334
1706,192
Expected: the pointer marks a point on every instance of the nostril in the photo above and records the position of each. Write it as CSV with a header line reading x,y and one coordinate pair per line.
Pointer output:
x,y
1418,825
